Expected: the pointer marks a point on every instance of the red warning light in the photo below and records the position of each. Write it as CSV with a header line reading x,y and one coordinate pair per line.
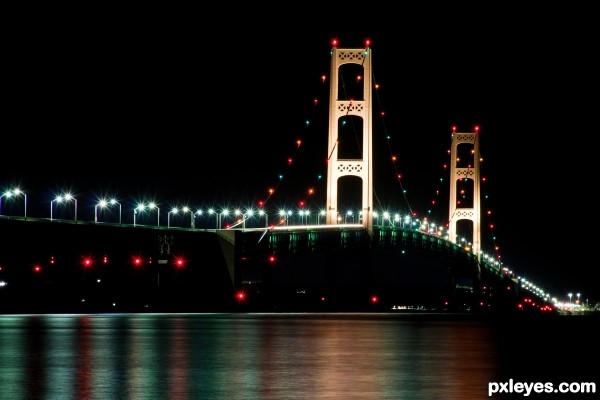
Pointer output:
x,y
179,262
240,296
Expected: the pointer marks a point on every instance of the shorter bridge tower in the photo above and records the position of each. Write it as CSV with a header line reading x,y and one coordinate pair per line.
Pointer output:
x,y
464,165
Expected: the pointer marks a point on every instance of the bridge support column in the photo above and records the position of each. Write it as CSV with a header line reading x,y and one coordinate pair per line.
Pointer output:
x,y
363,167
462,169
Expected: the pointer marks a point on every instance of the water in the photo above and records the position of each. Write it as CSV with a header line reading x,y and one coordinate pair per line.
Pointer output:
x,y
288,356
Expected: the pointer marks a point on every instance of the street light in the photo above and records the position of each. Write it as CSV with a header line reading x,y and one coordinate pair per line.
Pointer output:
x,y
186,209
321,214
303,214
174,210
113,202
249,214
386,215
406,220
237,212
103,203
198,213
282,218
224,212
60,199
14,192
211,211
140,208
397,219
349,214
262,213
153,205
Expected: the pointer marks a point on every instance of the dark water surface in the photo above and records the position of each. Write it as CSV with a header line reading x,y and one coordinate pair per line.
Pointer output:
x,y
290,356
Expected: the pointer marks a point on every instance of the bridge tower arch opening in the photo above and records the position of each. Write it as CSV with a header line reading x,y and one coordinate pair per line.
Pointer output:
x,y
465,203
341,165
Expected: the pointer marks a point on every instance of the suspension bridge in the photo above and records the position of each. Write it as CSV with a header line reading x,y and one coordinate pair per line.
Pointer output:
x,y
265,259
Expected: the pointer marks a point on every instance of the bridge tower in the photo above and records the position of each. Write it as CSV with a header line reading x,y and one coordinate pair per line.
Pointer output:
x,y
362,167
460,169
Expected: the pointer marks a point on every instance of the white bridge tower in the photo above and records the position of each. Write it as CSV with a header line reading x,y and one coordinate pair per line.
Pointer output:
x,y
362,167
461,169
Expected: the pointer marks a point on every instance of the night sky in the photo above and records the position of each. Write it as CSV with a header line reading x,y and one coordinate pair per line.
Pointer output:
x,y
198,108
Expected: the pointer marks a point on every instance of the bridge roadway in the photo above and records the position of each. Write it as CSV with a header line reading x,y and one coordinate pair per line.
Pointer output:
x,y
80,266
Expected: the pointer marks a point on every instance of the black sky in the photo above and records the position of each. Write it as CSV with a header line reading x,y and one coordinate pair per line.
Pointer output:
x,y
196,106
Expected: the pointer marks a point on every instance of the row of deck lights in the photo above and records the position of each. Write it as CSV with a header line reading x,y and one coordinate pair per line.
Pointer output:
x,y
284,215
393,220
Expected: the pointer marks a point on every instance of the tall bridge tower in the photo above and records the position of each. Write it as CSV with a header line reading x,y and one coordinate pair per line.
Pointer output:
x,y
462,168
360,167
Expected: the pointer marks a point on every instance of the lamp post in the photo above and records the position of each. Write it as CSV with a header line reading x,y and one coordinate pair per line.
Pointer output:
x,y
386,215
103,203
349,214
14,192
69,197
237,212
211,211
153,206
249,214
24,204
282,218
186,209
406,220
113,202
397,219
60,199
174,210
224,212
7,194
307,217
198,213
139,208
322,213
263,213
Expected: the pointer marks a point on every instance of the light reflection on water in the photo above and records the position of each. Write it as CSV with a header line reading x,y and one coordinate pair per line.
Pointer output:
x,y
246,356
